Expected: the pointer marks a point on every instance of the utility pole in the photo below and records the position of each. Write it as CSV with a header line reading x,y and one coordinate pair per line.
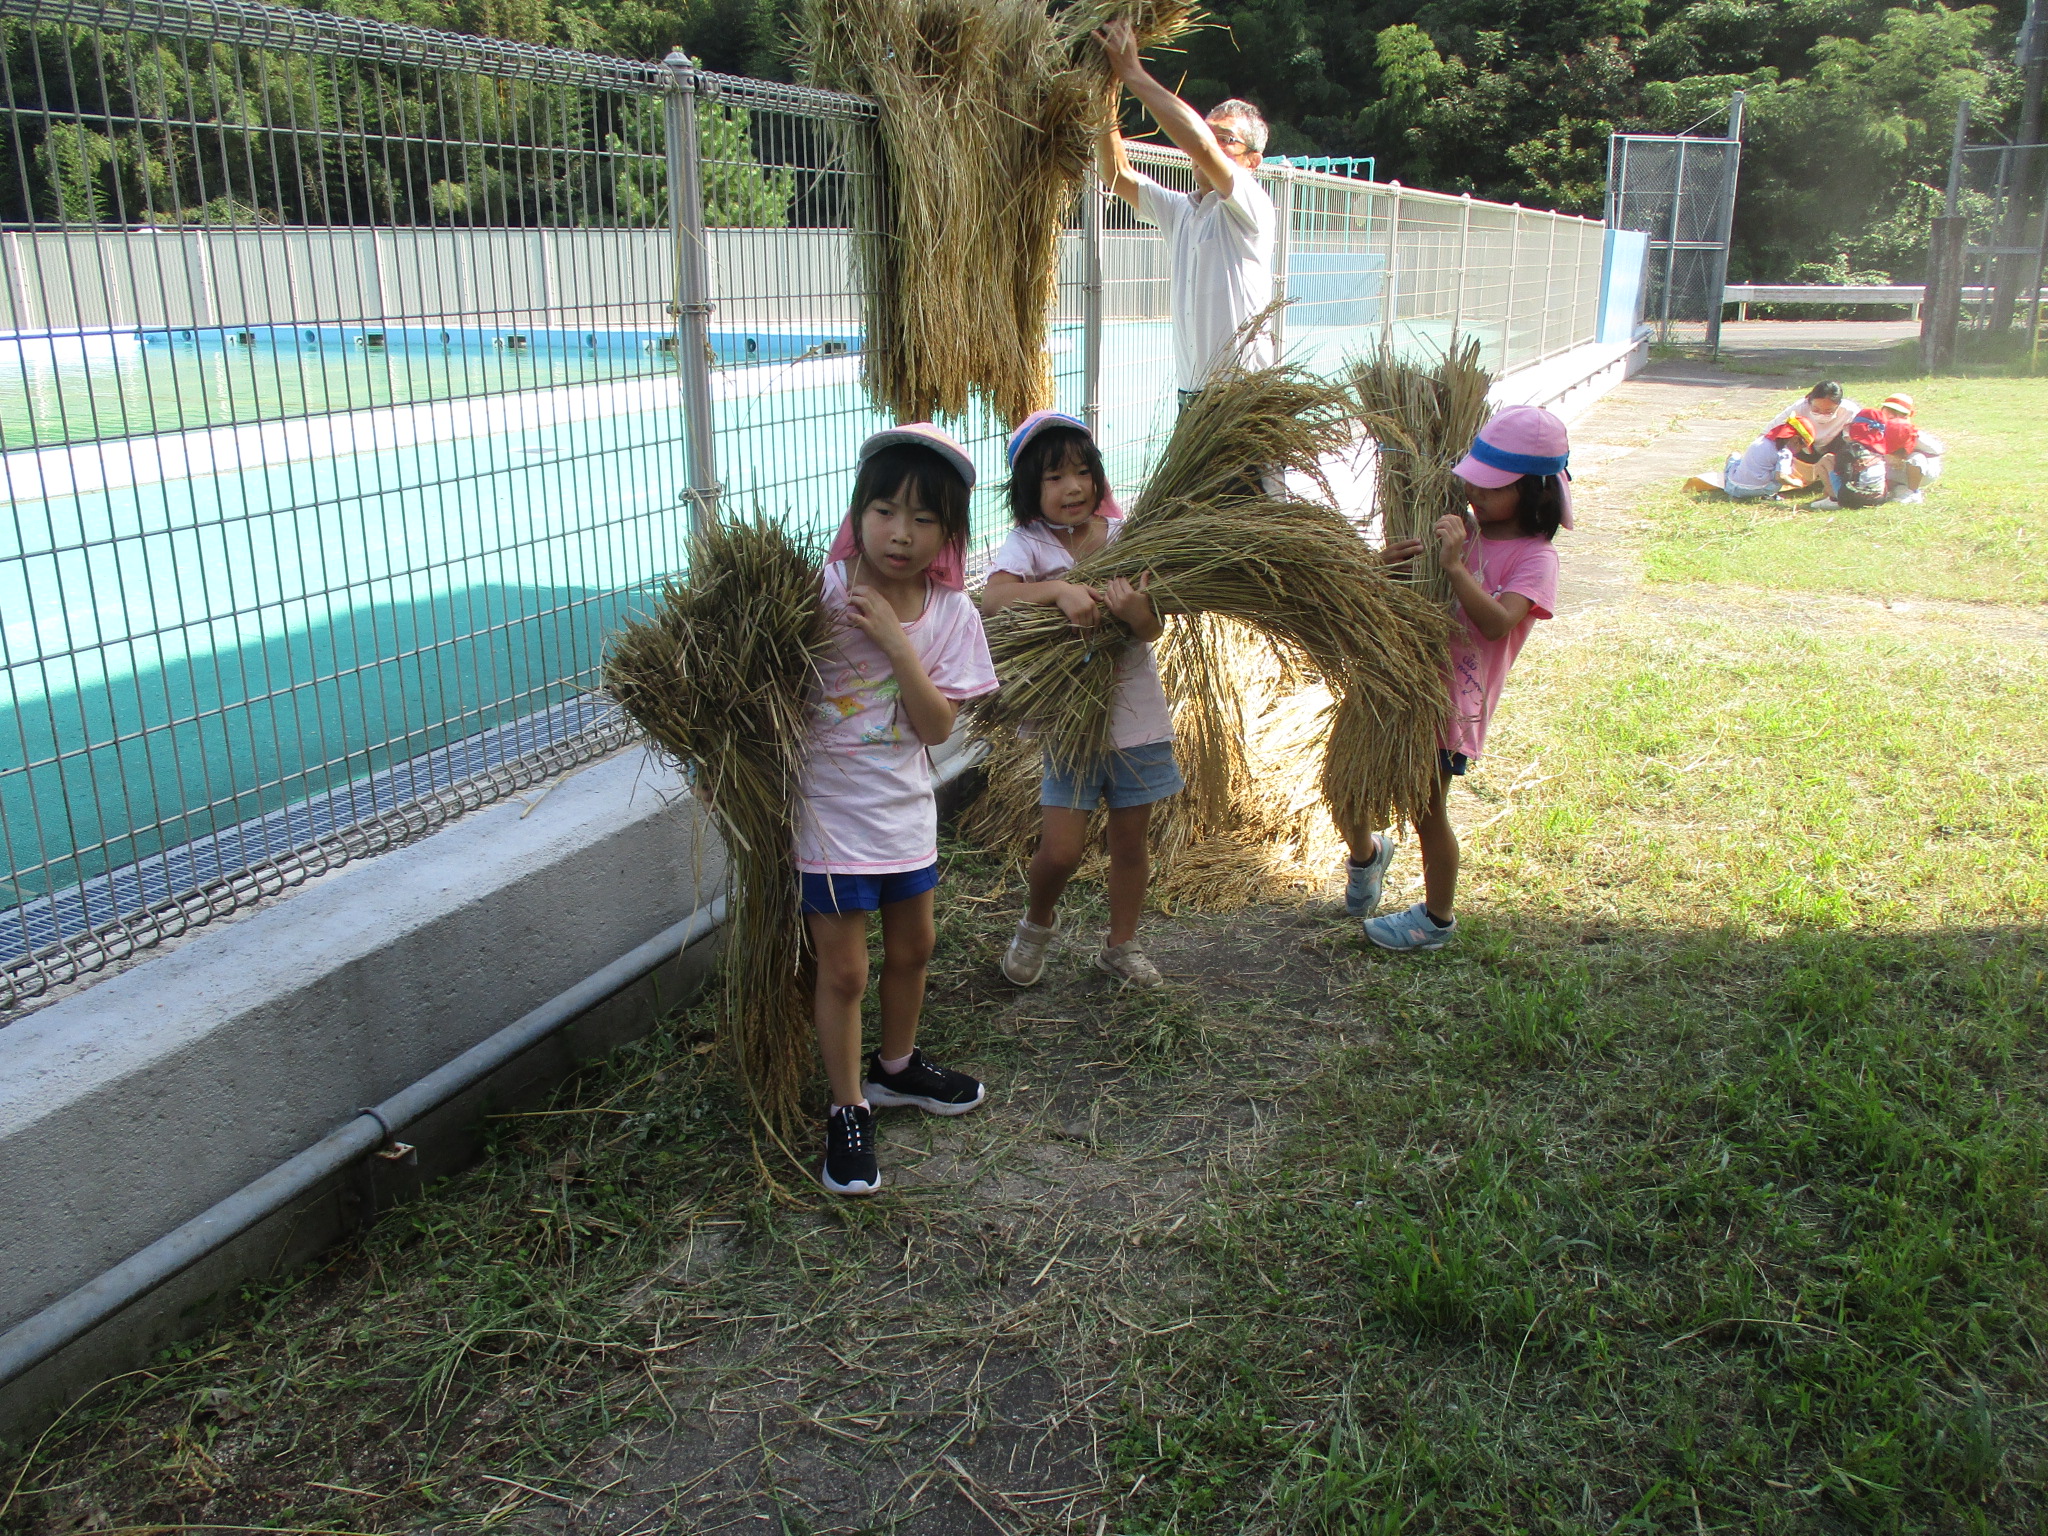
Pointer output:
x,y
2013,263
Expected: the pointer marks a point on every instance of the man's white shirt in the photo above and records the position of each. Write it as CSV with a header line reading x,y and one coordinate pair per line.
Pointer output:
x,y
1221,253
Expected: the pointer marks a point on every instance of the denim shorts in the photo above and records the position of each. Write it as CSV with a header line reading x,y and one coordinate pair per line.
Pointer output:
x,y
1122,778
831,894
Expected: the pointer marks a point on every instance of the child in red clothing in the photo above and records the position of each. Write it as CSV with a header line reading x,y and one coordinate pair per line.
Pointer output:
x,y
1504,580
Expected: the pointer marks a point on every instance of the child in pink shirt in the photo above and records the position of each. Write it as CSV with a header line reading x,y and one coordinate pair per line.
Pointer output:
x,y
908,649
1504,580
1064,512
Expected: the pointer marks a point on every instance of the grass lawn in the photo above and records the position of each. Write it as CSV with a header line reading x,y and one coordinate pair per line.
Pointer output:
x,y
1702,1186
1980,536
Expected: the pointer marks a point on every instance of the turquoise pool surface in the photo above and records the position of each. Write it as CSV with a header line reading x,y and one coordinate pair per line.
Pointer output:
x,y
183,655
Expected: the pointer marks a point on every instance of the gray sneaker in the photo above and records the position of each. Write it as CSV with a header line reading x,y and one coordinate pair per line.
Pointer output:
x,y
1128,964
1413,929
1024,960
1363,882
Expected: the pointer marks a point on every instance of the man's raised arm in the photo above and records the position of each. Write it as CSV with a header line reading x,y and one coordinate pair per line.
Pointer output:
x,y
1115,165
1180,122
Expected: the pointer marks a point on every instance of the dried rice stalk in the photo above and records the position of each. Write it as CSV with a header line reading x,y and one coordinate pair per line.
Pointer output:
x,y
720,677
1276,606
1425,420
989,113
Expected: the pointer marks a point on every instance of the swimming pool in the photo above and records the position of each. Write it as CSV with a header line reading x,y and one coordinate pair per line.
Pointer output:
x,y
67,388
217,642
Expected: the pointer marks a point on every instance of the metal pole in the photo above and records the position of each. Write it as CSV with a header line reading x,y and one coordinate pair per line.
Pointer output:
x,y
1955,156
1283,248
1091,307
1464,262
1671,247
1390,293
692,305
2010,265
1725,231
1549,277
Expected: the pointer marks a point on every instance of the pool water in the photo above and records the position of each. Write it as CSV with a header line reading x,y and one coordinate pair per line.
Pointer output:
x,y
68,389
185,656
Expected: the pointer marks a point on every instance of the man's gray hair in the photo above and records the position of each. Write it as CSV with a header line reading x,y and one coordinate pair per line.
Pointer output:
x,y
1251,122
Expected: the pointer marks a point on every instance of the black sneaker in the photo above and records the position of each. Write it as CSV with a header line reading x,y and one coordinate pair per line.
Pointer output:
x,y
921,1085
851,1167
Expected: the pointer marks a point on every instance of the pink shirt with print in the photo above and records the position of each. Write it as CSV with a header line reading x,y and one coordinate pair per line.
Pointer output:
x,y
865,803
1479,666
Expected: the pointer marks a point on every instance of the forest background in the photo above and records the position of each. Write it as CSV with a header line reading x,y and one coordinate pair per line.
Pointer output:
x,y
1850,110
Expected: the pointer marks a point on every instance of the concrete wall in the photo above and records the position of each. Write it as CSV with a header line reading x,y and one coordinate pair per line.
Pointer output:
x,y
133,1106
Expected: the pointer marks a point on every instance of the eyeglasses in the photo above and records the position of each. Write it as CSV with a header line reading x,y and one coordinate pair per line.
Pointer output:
x,y
1230,140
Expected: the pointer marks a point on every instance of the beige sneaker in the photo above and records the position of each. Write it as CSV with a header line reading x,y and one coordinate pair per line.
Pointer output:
x,y
1128,964
1024,960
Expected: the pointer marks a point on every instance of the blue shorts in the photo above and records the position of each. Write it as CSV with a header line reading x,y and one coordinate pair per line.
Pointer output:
x,y
1132,776
865,893
1448,761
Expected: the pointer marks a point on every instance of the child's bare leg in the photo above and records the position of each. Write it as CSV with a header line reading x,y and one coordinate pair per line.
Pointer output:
x,y
1439,844
841,940
1062,839
1130,868
1364,846
908,935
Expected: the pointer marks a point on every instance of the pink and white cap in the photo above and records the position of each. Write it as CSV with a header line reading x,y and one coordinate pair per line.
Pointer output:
x,y
950,568
1520,440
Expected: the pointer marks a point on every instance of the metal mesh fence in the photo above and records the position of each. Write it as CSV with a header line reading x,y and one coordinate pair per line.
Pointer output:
x,y
356,379
2002,192
1681,192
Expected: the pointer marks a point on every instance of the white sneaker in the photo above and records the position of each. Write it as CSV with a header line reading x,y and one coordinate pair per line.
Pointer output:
x,y
1128,964
1024,960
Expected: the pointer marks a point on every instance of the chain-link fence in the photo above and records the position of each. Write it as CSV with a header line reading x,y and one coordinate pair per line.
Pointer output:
x,y
355,379
2001,192
1680,191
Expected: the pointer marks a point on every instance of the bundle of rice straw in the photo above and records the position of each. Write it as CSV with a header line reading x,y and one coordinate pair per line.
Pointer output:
x,y
1230,561
989,111
720,677
1270,838
1425,420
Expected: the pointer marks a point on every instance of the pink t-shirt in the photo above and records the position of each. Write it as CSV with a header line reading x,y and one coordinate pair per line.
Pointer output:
x,y
866,805
1479,666
1138,715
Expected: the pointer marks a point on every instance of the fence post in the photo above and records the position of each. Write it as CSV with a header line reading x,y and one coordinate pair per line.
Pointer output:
x,y
1464,261
1549,277
1390,282
1283,250
1724,226
691,306
1091,306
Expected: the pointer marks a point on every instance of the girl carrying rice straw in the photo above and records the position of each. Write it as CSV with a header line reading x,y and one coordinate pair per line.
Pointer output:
x,y
1503,581
908,649
1061,503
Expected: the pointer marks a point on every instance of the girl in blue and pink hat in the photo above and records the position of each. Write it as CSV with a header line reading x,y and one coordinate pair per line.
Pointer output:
x,y
1062,506
1503,574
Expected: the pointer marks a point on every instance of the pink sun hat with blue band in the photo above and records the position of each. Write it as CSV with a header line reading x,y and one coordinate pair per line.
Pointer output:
x,y
1520,440
1036,423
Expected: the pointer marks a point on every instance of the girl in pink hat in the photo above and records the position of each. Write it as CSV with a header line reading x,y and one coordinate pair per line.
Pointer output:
x,y
907,650
1504,580
1064,512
